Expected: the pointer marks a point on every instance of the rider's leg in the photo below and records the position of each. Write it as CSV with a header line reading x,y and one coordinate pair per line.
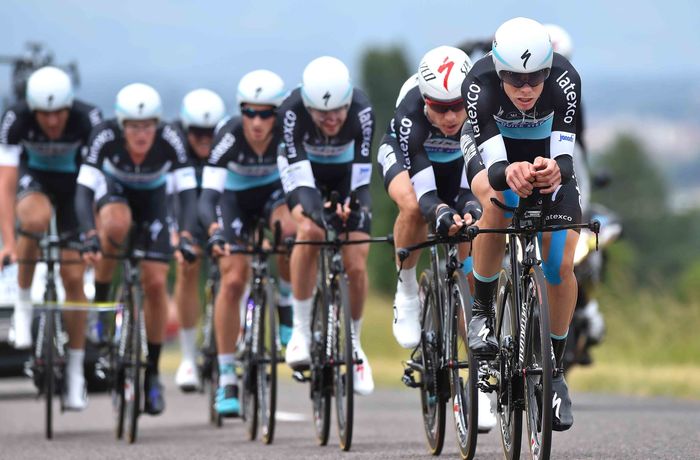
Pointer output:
x,y
188,308
34,214
284,305
409,228
488,251
113,224
303,265
558,250
234,276
355,262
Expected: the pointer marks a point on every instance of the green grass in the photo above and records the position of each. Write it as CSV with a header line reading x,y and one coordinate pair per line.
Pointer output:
x,y
652,347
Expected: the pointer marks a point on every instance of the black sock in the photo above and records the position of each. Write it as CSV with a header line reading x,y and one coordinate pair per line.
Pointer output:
x,y
102,291
559,348
153,358
484,292
285,314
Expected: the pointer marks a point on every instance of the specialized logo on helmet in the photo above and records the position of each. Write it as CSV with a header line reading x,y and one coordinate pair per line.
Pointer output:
x,y
525,57
50,100
206,116
446,66
141,106
258,90
326,97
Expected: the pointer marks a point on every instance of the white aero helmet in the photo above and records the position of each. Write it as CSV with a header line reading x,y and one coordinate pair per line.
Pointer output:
x,y
326,84
261,87
441,73
138,101
561,40
202,108
521,45
407,86
49,89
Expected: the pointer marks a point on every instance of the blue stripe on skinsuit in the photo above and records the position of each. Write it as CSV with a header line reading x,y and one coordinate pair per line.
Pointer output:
x,y
443,156
511,200
542,131
347,156
552,264
236,182
58,163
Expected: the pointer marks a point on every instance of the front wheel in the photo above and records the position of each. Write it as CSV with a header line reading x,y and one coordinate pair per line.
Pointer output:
x,y
132,374
464,370
344,361
432,401
509,389
320,375
538,366
49,371
267,365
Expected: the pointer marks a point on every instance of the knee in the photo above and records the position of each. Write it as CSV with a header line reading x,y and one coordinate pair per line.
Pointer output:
x,y
288,228
232,282
308,230
154,285
35,223
72,279
355,269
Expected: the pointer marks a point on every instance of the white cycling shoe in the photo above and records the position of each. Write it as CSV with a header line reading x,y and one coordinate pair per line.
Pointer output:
x,y
75,397
20,334
297,353
406,326
363,382
487,419
187,377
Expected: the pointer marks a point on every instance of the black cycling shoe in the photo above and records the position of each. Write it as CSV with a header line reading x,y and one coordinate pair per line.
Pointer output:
x,y
154,403
562,418
482,334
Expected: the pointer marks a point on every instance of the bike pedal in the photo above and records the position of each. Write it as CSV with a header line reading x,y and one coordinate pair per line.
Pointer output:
x,y
408,380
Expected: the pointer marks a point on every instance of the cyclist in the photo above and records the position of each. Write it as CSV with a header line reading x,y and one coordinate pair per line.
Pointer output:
x,y
423,142
124,175
41,141
201,111
328,127
522,103
242,177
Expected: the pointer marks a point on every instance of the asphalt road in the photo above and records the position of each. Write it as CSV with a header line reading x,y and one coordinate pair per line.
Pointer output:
x,y
387,426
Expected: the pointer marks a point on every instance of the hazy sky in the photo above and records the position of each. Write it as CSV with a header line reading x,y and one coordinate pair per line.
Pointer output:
x,y
180,45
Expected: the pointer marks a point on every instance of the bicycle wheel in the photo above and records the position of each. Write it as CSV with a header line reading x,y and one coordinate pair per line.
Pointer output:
x,y
132,374
432,401
267,364
464,370
538,366
119,351
320,375
249,395
509,394
49,333
214,417
343,361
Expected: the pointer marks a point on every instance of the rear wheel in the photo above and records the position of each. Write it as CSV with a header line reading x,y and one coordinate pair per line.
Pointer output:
x,y
538,366
267,367
343,365
432,401
509,393
320,372
464,372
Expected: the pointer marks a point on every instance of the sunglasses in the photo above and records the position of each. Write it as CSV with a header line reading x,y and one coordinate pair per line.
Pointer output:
x,y
252,113
444,107
521,79
201,132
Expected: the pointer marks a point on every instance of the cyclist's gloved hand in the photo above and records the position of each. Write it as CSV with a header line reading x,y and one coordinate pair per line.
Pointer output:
x,y
186,248
444,219
473,208
216,239
90,244
358,219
